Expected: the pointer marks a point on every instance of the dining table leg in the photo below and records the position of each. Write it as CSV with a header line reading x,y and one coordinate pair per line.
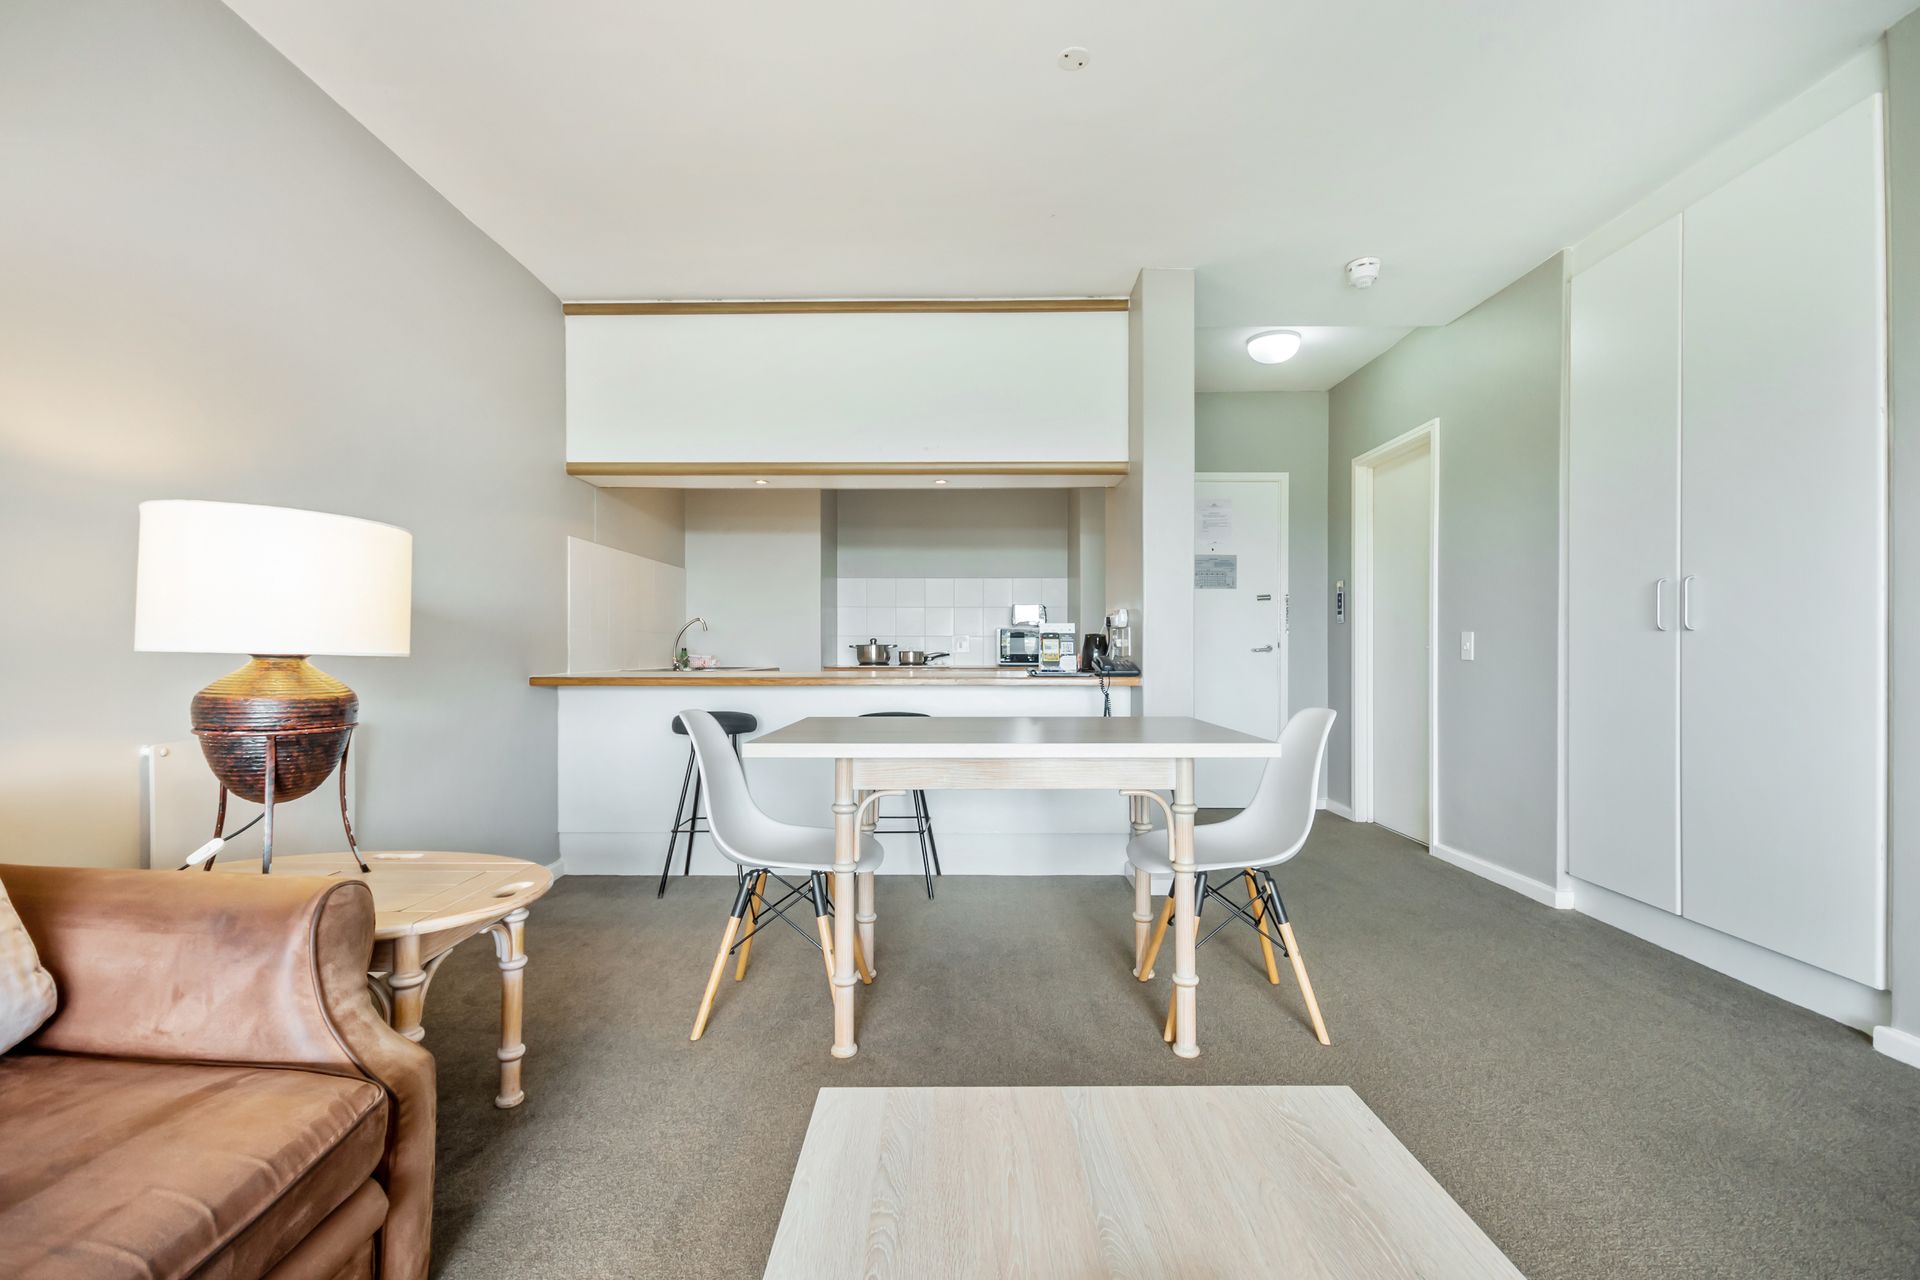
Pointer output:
x,y
846,849
1142,887
1185,926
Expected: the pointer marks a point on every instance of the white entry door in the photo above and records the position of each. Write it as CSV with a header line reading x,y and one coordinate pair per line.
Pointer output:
x,y
1402,534
1239,623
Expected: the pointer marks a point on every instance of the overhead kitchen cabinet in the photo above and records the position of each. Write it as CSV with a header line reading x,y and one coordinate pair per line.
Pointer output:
x,y
709,394
1727,558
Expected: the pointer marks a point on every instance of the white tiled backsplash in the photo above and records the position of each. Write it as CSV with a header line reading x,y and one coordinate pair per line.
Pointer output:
x,y
622,609
938,614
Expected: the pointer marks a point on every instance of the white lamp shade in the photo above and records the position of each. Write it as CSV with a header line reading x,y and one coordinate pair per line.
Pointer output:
x,y
228,577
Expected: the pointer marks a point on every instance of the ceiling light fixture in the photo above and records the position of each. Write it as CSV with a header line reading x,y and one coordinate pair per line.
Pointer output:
x,y
939,481
759,481
1275,346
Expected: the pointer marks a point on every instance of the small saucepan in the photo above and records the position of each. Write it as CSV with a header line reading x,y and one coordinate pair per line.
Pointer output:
x,y
872,653
917,657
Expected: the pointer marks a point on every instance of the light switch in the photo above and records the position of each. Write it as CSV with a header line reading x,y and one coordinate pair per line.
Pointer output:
x,y
1466,646
963,644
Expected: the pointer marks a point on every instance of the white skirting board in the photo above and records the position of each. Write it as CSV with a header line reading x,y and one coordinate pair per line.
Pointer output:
x,y
640,853
1899,1045
1336,808
1541,892
1827,994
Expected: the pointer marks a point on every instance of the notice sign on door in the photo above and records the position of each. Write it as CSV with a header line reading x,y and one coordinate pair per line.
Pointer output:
x,y
1215,573
1213,520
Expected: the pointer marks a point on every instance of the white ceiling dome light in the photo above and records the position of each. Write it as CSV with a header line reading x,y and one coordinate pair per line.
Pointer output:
x,y
1275,346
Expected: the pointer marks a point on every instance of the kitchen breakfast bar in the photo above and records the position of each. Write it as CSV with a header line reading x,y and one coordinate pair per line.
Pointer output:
x,y
621,766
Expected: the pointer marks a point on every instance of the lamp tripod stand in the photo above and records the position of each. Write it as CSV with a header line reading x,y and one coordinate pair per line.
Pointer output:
x,y
266,815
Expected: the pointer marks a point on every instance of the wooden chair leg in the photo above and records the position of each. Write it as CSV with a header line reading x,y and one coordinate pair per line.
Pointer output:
x,y
1166,1032
1153,946
713,979
1306,987
860,963
826,947
1259,914
753,922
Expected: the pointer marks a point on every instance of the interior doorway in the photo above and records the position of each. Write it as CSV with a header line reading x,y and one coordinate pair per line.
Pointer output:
x,y
1395,634
1240,620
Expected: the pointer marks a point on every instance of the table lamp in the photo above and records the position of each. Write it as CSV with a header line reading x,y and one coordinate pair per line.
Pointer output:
x,y
279,584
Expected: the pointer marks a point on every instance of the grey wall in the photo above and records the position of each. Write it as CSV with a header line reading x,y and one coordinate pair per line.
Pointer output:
x,y
1492,377
1903,71
956,533
1149,515
1087,558
754,563
1282,431
215,284
646,522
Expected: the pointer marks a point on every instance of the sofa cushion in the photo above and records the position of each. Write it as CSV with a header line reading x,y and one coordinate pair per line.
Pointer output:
x,y
26,988
120,1168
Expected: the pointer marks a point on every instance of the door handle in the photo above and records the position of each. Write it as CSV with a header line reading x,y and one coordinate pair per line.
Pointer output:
x,y
1686,602
1660,604
1265,648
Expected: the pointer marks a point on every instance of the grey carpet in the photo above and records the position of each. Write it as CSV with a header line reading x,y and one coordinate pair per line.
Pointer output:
x,y
1598,1105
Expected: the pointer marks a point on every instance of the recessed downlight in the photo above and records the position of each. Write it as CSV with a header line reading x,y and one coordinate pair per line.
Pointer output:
x,y
760,482
1275,346
939,481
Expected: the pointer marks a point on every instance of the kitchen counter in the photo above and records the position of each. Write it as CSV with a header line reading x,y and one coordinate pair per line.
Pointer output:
x,y
835,677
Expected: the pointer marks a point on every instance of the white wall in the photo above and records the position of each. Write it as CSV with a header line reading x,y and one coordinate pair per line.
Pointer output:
x,y
863,387
1493,379
1087,558
1150,513
1282,431
753,572
1903,96
952,533
645,522
622,609
218,285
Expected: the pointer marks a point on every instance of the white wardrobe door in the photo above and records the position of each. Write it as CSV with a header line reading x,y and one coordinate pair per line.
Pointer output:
x,y
1623,538
1784,534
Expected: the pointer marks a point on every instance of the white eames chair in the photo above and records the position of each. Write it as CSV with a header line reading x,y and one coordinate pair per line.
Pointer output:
x,y
761,848
1268,832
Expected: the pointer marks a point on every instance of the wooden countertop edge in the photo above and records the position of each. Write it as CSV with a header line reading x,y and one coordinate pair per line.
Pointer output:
x,y
825,681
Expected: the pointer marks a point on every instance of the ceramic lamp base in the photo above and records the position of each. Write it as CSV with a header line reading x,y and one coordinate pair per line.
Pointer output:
x,y
308,714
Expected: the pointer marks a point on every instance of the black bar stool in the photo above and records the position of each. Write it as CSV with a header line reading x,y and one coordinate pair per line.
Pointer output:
x,y
689,825
920,824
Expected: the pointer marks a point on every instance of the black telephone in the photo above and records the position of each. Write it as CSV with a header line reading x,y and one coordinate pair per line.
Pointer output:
x,y
1106,665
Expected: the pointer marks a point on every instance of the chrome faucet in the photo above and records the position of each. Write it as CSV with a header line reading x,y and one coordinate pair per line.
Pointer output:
x,y
680,659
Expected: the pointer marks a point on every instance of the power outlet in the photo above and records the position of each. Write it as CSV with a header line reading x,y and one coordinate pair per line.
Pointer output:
x,y
1466,646
963,644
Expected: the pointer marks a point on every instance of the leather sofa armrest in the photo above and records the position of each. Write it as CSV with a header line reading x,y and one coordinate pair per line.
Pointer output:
x,y
259,970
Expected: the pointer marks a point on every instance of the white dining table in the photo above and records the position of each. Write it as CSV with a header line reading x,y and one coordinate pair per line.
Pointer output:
x,y
1137,756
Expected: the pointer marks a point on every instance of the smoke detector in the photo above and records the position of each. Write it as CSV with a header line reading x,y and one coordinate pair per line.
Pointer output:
x,y
1072,58
1362,272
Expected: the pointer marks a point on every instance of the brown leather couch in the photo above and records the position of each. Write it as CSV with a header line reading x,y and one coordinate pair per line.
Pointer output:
x,y
216,1096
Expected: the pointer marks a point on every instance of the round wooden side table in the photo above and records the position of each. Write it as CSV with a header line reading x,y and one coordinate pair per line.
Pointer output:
x,y
426,903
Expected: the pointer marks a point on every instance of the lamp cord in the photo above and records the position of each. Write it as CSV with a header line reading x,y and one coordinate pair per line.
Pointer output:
x,y
224,840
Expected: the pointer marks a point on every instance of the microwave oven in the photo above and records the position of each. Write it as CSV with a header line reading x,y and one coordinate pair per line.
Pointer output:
x,y
1047,647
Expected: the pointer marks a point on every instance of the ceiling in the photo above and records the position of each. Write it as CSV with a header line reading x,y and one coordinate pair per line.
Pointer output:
x,y
873,148
1328,353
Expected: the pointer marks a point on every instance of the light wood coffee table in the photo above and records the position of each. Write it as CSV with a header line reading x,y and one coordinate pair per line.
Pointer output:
x,y
1188,1181
425,904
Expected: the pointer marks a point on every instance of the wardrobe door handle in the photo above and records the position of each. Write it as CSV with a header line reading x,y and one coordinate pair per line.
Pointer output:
x,y
1686,602
1660,604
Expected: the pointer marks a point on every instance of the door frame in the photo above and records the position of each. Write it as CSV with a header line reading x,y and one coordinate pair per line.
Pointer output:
x,y
1426,435
1281,480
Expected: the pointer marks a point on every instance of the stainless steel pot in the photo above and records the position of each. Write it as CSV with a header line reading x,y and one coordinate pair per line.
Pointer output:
x,y
917,657
872,653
